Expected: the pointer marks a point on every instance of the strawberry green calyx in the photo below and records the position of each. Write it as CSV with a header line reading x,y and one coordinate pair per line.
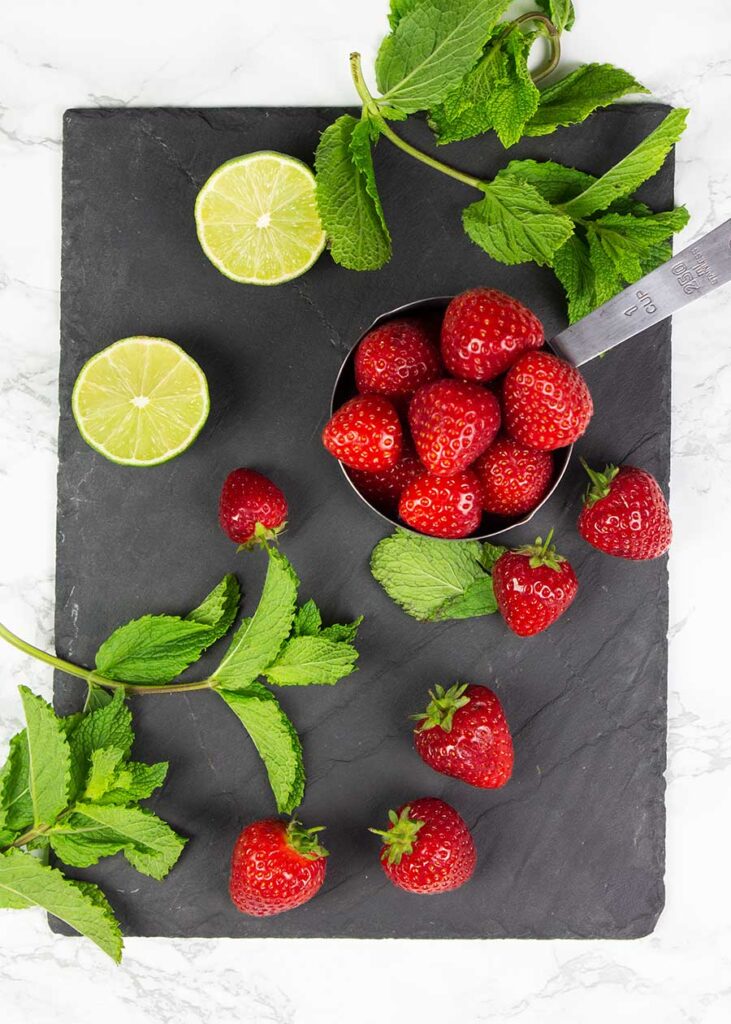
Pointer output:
x,y
262,537
305,841
600,483
399,839
542,553
442,707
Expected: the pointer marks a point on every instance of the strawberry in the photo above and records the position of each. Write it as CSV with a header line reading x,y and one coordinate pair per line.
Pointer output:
x,y
463,733
276,866
625,513
546,402
452,422
514,477
484,332
251,508
442,506
396,359
365,433
427,848
384,489
533,587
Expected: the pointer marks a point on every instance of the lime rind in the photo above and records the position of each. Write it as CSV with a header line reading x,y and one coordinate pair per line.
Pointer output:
x,y
94,418
301,240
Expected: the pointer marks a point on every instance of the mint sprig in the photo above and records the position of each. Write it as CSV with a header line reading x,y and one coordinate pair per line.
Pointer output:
x,y
68,786
468,71
285,645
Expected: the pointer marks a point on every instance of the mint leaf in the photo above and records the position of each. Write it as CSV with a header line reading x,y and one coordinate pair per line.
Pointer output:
x,y
430,579
561,13
16,805
343,633
93,831
573,267
104,764
275,739
307,621
555,182
513,223
490,554
312,659
629,241
352,217
625,177
607,282
366,132
498,93
109,726
259,639
573,98
219,609
433,46
153,649
134,781
26,882
49,759
399,9
96,697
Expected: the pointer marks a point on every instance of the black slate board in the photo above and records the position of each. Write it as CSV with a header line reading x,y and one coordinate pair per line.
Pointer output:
x,y
573,846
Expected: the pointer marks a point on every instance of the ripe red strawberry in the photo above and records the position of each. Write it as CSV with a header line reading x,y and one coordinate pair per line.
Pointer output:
x,y
251,508
452,422
484,332
442,506
276,866
396,359
463,733
384,489
533,587
365,433
514,477
427,848
625,513
546,402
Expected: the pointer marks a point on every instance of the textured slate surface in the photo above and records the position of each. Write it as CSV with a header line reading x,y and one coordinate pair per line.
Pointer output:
x,y
573,846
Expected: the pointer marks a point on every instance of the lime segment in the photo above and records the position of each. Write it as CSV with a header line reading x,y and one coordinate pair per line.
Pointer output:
x,y
141,401
257,218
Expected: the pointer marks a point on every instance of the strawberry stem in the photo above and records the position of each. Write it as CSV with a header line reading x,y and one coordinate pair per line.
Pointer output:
x,y
601,483
305,840
441,709
400,837
542,553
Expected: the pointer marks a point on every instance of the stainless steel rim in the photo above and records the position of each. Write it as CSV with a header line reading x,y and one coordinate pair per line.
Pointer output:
x,y
562,455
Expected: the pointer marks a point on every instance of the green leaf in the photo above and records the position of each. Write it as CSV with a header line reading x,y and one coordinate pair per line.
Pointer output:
x,y
347,197
478,599
399,9
259,639
135,781
107,726
312,659
104,764
561,13
219,609
49,759
515,224
275,739
625,177
433,46
98,830
16,805
96,697
26,882
490,554
555,182
430,579
573,98
344,633
497,93
607,282
628,241
307,621
153,649
573,267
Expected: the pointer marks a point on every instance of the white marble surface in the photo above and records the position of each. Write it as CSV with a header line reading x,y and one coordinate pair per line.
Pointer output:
x,y
55,55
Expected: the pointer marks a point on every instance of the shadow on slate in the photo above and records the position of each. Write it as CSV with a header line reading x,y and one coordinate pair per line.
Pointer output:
x,y
573,846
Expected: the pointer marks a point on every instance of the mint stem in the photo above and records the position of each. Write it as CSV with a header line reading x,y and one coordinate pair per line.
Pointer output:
x,y
554,41
371,107
93,677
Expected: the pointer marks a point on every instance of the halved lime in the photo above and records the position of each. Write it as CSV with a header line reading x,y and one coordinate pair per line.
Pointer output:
x,y
257,218
141,401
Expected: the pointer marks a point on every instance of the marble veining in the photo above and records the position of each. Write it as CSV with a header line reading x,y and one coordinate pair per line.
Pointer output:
x,y
54,56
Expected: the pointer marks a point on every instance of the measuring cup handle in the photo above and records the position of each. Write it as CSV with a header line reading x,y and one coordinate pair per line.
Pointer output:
x,y
697,270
